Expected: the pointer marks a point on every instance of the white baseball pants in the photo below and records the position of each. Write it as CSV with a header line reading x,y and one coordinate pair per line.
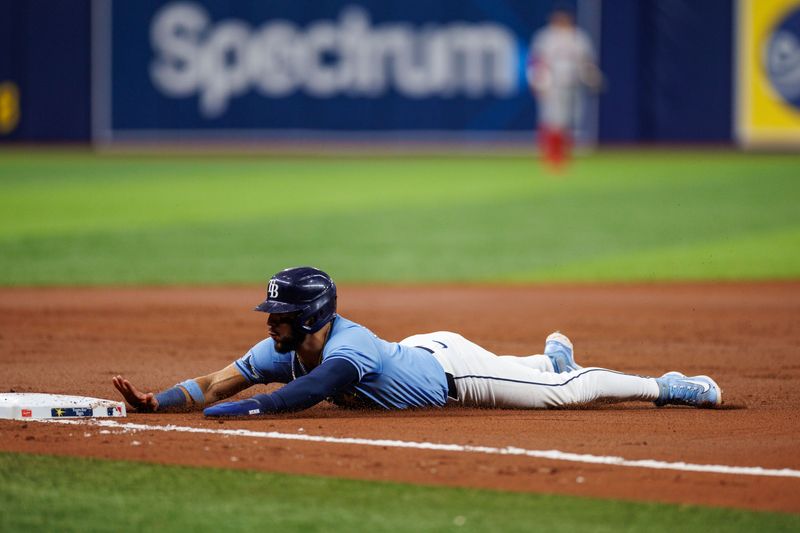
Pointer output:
x,y
559,107
484,379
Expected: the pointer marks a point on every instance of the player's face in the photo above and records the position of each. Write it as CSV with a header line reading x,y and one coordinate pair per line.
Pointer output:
x,y
283,333
562,19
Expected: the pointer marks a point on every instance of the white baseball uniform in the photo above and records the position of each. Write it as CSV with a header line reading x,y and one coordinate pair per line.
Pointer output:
x,y
486,380
559,57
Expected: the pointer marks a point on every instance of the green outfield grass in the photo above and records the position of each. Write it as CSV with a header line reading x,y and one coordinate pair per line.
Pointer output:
x,y
80,218
46,493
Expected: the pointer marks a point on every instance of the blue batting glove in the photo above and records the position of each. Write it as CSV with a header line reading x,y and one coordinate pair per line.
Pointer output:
x,y
241,408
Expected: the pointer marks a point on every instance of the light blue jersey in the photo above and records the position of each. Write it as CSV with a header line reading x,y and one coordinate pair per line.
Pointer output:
x,y
390,375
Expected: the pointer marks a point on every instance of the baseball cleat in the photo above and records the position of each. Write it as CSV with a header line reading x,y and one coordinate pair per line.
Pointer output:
x,y
675,388
558,348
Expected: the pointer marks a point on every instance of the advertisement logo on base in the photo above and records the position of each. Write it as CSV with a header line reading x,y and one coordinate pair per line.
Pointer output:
x,y
71,411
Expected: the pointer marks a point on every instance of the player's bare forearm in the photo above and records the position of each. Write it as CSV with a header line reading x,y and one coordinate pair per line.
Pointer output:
x,y
222,384
188,395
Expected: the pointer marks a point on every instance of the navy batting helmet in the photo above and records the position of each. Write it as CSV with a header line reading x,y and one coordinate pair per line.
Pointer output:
x,y
308,291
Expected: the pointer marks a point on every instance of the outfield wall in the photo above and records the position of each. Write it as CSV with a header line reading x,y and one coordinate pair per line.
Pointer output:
x,y
383,69
447,69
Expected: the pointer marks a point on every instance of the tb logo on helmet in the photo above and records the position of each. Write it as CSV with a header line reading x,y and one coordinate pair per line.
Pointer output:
x,y
272,289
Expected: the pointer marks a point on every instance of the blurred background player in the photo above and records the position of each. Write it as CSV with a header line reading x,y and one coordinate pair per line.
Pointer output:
x,y
561,63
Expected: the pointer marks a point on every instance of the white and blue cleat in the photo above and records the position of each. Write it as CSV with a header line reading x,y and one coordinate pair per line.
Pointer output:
x,y
558,348
675,388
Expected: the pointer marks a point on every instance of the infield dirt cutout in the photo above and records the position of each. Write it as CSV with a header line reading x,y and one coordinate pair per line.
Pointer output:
x,y
745,335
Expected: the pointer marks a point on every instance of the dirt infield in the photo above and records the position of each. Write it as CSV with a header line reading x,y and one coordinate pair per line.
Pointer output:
x,y
747,336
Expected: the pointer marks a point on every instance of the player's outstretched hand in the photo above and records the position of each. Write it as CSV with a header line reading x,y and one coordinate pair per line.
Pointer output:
x,y
141,401
241,408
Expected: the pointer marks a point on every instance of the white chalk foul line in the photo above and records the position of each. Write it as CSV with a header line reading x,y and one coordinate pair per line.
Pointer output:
x,y
554,455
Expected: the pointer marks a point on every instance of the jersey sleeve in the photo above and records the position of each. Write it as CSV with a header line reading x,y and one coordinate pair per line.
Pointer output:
x,y
328,379
262,364
357,346
364,361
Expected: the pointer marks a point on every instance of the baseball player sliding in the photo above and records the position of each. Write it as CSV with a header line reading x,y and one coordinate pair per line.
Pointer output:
x,y
320,355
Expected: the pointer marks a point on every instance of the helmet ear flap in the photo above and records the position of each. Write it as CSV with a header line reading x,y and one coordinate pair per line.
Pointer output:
x,y
310,321
321,311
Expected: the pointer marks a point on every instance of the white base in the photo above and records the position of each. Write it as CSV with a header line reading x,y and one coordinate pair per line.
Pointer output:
x,y
35,406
